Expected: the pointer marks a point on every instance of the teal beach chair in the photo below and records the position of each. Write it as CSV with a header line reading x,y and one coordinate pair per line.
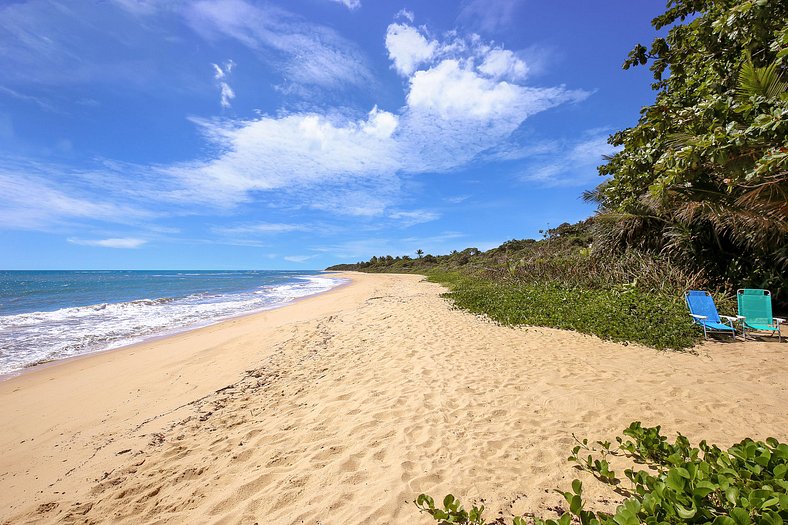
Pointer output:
x,y
704,312
755,306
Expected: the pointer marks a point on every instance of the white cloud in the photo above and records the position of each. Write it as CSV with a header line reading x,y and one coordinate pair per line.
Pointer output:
x,y
357,202
40,102
227,94
489,15
260,228
351,166
466,96
404,13
298,258
464,99
350,4
457,199
288,153
408,48
139,7
454,91
574,163
502,63
122,242
411,218
31,201
218,72
221,74
305,54
380,124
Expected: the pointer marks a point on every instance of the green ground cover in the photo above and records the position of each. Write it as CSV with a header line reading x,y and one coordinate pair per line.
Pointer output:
x,y
621,313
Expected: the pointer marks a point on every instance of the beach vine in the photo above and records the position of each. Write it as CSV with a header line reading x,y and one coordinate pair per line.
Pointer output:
x,y
679,483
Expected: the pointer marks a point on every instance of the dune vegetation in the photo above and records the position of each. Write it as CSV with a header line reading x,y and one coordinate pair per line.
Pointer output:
x,y
677,483
695,198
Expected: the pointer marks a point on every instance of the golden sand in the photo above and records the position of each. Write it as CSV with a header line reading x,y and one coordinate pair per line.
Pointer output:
x,y
342,408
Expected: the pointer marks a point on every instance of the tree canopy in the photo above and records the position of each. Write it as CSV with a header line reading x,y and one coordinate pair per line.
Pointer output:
x,y
703,176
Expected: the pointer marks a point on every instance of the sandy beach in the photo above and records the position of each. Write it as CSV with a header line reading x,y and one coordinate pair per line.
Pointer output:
x,y
343,407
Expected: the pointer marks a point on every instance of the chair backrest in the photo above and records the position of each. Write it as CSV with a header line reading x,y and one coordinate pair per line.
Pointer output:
x,y
755,305
701,303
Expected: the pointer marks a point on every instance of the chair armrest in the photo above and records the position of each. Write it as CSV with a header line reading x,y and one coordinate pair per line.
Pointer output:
x,y
729,318
740,318
779,320
696,316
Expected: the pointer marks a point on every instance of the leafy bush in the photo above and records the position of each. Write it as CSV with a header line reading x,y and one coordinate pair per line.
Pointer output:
x,y
703,176
620,313
745,484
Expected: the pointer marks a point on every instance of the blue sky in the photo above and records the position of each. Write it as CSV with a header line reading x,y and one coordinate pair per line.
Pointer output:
x,y
155,134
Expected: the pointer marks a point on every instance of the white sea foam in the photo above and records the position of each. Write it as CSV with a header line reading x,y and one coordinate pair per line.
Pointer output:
x,y
35,337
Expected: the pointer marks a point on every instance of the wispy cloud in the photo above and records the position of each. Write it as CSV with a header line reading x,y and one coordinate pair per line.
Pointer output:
x,y
454,111
571,163
464,97
350,4
120,242
48,44
306,54
263,228
489,15
411,218
298,258
40,102
457,199
221,74
32,201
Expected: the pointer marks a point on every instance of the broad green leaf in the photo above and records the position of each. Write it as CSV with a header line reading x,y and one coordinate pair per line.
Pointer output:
x,y
741,516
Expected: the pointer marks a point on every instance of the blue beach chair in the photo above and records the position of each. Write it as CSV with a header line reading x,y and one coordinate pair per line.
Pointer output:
x,y
704,312
755,308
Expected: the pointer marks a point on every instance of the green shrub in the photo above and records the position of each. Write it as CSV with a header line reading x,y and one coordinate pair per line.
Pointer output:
x,y
621,313
745,484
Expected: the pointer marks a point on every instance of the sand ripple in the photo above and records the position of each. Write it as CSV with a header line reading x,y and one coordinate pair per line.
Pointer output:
x,y
353,414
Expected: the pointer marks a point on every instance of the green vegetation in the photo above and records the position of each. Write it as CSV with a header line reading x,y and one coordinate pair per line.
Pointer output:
x,y
621,313
697,198
703,176
558,282
745,484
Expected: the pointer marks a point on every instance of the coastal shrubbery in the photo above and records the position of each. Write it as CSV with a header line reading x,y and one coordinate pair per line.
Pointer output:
x,y
622,313
561,282
745,484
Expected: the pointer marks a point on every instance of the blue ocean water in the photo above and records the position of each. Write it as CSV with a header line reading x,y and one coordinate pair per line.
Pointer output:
x,y
47,315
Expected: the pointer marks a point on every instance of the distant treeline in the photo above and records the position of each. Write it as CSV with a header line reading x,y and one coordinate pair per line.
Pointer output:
x,y
566,255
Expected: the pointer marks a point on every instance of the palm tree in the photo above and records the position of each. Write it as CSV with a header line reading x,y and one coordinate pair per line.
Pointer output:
x,y
419,252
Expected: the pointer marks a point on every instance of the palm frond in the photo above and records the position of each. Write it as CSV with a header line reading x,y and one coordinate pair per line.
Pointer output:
x,y
760,81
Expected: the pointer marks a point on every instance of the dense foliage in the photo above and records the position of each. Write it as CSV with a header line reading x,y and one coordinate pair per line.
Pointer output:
x,y
703,176
745,484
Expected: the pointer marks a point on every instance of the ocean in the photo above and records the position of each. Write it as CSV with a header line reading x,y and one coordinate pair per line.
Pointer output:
x,y
49,315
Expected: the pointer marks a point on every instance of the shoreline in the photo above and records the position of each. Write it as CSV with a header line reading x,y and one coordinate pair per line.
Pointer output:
x,y
178,331
347,405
